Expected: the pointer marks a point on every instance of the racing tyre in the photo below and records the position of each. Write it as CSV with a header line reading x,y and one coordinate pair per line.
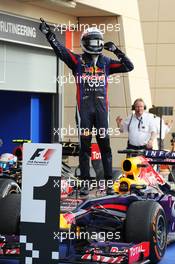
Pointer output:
x,y
10,214
8,186
146,221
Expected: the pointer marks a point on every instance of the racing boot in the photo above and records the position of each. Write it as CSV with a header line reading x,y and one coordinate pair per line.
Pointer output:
x,y
109,191
84,190
109,187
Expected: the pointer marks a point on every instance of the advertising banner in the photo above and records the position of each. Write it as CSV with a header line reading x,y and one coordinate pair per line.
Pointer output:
x,y
40,203
95,152
25,31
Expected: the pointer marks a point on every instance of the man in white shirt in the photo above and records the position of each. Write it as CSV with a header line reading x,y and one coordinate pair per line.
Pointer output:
x,y
140,127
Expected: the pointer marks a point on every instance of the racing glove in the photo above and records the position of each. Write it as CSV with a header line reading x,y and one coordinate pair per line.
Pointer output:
x,y
110,46
45,28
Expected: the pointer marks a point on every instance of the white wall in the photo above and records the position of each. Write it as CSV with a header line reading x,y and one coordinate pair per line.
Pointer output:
x,y
24,68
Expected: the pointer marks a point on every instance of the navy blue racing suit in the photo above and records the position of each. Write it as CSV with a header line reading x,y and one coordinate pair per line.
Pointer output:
x,y
92,100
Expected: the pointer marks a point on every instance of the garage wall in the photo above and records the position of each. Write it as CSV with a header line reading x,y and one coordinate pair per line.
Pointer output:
x,y
28,9
24,68
158,22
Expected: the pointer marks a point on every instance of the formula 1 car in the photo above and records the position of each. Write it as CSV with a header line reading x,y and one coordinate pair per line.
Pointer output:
x,y
133,226
10,174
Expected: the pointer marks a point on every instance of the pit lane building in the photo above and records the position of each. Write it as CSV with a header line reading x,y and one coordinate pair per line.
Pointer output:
x,y
35,98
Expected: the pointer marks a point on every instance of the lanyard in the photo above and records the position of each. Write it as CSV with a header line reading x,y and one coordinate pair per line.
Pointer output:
x,y
140,121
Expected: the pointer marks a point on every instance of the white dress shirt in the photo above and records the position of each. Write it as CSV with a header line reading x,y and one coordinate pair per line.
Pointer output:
x,y
139,129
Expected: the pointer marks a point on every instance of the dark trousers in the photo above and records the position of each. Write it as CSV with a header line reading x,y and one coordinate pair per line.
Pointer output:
x,y
85,154
93,113
130,146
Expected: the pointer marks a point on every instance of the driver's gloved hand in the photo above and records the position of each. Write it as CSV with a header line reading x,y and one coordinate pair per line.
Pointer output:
x,y
110,46
45,29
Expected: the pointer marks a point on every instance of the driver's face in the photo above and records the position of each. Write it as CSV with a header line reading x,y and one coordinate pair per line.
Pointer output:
x,y
139,108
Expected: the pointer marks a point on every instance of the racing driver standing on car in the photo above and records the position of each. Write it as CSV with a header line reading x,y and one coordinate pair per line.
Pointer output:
x,y
91,70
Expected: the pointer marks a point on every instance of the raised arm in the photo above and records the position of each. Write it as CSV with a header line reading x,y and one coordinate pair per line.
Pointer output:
x,y
62,52
122,64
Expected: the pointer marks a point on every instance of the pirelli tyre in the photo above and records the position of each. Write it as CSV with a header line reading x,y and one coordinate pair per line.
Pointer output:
x,y
10,214
8,186
146,221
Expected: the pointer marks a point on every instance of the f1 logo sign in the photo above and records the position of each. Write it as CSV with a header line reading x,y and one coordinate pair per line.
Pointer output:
x,y
36,154
40,162
39,215
47,155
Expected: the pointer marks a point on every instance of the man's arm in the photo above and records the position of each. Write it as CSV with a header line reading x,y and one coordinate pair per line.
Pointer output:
x,y
63,53
119,122
123,64
168,126
151,140
153,132
123,125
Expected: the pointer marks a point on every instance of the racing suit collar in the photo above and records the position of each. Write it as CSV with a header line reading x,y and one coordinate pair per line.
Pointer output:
x,y
87,58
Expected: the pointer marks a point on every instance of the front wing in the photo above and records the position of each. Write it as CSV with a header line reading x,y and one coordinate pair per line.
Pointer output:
x,y
109,252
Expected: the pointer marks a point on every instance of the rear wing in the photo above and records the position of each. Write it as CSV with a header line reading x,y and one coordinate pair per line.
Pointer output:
x,y
153,156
